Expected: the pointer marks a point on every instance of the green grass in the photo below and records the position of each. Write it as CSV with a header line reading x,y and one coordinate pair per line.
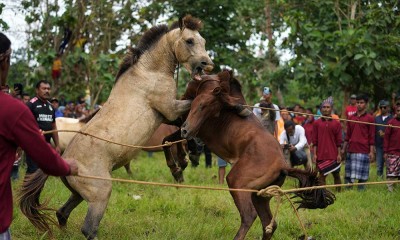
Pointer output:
x,y
172,213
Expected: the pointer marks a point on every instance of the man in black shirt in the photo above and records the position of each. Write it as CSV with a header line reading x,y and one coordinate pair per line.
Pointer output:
x,y
44,115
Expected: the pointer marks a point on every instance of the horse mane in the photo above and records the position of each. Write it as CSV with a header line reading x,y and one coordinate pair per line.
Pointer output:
x,y
152,36
149,38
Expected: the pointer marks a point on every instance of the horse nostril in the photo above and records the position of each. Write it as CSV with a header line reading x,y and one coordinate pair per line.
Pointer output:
x,y
183,132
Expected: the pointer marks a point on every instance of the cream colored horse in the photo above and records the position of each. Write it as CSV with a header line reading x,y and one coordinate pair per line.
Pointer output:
x,y
143,96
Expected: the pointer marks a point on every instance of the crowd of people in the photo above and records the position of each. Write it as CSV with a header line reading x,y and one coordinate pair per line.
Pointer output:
x,y
333,140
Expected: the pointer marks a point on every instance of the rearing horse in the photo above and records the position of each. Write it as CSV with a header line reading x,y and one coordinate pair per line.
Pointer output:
x,y
144,95
255,154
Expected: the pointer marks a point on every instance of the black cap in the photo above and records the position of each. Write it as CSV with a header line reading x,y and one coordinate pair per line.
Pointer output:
x,y
53,100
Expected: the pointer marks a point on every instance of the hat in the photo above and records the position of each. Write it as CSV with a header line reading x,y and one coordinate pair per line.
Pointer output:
x,y
329,101
266,91
53,100
353,96
383,103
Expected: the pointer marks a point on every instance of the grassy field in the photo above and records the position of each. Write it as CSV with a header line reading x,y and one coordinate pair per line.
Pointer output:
x,y
172,213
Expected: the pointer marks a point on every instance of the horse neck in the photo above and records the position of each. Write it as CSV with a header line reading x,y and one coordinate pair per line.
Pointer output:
x,y
161,57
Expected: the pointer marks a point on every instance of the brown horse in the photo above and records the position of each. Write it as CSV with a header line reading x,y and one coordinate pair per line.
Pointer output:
x,y
255,154
144,96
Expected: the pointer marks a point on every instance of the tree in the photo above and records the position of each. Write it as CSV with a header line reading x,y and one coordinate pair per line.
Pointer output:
x,y
347,46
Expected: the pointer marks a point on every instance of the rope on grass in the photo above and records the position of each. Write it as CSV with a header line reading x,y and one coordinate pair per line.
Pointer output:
x,y
271,191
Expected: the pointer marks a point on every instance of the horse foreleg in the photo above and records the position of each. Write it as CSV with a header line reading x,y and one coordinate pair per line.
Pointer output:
x,y
169,157
244,204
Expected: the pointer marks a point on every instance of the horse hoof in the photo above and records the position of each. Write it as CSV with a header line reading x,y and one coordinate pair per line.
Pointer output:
x,y
178,176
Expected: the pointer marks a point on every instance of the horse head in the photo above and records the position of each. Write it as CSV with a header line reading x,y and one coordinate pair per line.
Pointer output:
x,y
189,48
212,95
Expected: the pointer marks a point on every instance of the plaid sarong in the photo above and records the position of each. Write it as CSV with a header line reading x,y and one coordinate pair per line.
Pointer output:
x,y
393,165
357,166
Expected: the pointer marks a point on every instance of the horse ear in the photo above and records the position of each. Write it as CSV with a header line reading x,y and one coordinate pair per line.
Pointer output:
x,y
180,23
224,78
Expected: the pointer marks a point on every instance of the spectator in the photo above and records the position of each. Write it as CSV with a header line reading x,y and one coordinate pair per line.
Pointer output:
x,y
62,101
45,117
221,170
383,118
285,116
25,98
392,149
18,128
294,139
18,89
268,118
359,144
69,110
299,118
351,109
56,68
327,140
57,112
5,89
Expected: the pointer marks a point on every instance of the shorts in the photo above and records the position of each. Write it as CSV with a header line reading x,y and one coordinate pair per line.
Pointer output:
x,y
221,162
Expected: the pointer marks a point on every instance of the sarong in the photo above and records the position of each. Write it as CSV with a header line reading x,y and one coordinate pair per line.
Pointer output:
x,y
357,166
327,166
393,165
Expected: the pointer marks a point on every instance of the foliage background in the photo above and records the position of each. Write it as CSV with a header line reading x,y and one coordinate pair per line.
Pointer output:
x,y
337,47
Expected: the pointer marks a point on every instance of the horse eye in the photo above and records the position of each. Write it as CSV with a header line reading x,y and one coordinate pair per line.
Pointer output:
x,y
190,41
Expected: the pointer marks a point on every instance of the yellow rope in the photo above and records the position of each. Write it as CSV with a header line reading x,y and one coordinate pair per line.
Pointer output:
x,y
340,119
107,140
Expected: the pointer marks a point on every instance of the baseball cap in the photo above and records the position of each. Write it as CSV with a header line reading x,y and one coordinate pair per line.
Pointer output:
x,y
383,103
353,96
266,90
54,100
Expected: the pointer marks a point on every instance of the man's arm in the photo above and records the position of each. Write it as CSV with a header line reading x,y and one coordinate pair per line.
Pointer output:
x,y
26,134
302,137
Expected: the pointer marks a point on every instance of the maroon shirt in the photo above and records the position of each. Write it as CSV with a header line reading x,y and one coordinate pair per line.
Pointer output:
x,y
327,136
308,128
19,128
391,144
360,136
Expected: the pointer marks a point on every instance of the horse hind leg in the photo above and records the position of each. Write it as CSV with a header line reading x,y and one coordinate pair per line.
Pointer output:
x,y
262,206
74,200
244,205
64,212
97,202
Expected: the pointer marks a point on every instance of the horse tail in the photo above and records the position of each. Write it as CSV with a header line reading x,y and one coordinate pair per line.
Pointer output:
x,y
314,198
29,201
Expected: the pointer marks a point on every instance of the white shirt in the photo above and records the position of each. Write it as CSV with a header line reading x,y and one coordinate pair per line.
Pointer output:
x,y
298,139
257,111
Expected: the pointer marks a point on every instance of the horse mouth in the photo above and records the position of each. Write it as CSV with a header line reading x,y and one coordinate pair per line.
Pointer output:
x,y
196,73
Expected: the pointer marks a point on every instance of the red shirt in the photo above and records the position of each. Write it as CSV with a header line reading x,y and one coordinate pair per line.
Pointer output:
x,y
308,128
391,144
19,128
350,111
360,136
327,137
